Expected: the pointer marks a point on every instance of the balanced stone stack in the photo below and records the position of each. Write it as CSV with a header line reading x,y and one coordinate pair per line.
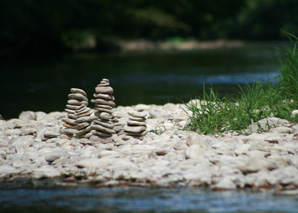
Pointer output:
x,y
104,102
83,122
136,125
77,98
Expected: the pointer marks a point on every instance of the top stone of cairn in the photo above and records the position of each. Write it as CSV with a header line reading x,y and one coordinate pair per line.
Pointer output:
x,y
104,87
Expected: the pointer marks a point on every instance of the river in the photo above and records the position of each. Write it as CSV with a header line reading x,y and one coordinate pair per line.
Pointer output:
x,y
154,77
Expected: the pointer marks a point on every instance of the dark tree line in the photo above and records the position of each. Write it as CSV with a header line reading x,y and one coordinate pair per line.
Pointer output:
x,y
57,25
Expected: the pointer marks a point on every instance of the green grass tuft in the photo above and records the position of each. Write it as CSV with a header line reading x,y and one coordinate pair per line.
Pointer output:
x,y
255,102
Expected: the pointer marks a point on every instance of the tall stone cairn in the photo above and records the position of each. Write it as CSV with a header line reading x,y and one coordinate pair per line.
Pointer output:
x,y
136,125
103,126
83,122
77,99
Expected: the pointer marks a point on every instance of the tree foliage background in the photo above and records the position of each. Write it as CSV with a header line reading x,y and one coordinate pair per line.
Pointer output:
x,y
55,25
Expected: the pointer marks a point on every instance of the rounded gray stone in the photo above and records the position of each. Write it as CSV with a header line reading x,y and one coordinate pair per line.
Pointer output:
x,y
103,129
138,114
77,90
104,89
77,96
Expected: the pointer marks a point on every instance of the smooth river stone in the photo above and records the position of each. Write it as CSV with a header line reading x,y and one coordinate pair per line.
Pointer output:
x,y
140,134
135,123
86,119
72,116
82,125
77,90
73,107
83,131
103,96
68,125
134,129
105,116
83,114
107,125
104,89
76,102
77,96
103,102
103,110
104,106
70,111
137,119
83,110
138,114
69,131
102,134
69,121
103,129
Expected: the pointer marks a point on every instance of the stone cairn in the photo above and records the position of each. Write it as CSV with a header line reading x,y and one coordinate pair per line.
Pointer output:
x,y
83,122
136,125
77,99
103,126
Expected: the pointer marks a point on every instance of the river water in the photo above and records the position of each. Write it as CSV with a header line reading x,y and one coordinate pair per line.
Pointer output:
x,y
135,199
155,77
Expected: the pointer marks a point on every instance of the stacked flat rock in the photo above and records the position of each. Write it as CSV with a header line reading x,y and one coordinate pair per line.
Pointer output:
x,y
77,98
83,122
104,102
136,124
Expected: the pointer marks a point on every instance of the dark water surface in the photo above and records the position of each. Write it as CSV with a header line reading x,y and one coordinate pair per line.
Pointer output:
x,y
150,78
141,200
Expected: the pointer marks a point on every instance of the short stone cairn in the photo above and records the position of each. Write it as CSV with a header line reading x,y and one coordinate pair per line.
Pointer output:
x,y
136,125
83,122
77,99
103,126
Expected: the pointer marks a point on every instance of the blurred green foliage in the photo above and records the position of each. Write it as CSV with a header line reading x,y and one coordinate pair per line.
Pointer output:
x,y
55,25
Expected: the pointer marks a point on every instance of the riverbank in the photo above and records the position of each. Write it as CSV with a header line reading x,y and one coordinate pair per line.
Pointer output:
x,y
32,148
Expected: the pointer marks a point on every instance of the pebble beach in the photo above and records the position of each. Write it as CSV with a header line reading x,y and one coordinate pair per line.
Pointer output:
x,y
33,147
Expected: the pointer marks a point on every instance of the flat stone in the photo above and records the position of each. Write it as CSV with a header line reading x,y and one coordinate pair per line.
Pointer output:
x,y
102,134
70,111
73,107
118,128
103,102
103,129
46,171
68,125
104,89
135,123
137,119
87,119
77,96
104,106
76,102
69,121
82,125
138,114
71,116
51,134
69,131
103,110
104,124
103,96
134,129
82,109
83,131
77,90
6,169
83,114
105,115
282,130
